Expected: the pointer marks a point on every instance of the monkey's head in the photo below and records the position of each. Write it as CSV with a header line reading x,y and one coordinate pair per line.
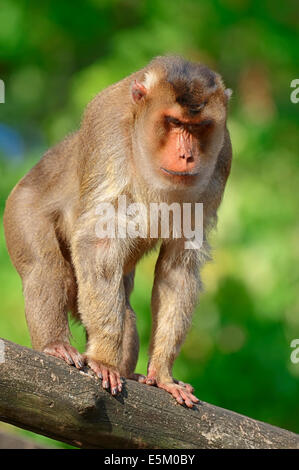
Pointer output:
x,y
179,122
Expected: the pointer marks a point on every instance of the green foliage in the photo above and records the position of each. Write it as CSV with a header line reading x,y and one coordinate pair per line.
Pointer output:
x,y
56,56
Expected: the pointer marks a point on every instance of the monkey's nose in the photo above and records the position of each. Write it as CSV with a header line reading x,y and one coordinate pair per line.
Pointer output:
x,y
189,159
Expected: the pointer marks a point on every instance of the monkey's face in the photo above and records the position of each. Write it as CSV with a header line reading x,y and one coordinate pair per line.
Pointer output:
x,y
179,135
186,149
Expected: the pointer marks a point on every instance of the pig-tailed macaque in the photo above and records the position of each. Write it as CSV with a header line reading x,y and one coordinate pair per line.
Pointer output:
x,y
157,136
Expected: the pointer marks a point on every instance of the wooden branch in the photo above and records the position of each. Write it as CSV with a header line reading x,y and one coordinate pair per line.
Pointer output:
x,y
46,396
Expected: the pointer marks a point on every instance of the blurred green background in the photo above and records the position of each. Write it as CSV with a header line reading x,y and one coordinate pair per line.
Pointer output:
x,y
56,55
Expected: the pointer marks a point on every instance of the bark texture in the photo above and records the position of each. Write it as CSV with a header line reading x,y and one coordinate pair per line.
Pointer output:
x,y
46,396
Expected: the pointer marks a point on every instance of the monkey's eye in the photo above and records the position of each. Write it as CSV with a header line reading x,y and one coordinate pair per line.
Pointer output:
x,y
201,127
206,123
173,121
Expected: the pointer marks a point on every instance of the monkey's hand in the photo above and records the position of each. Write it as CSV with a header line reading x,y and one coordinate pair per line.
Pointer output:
x,y
181,391
109,375
66,352
143,379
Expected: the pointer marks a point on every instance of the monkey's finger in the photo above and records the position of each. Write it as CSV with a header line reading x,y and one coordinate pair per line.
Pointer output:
x,y
105,375
119,383
141,379
60,352
176,394
79,362
138,378
187,400
115,383
194,398
77,359
188,396
59,355
150,380
173,390
188,387
67,357
95,367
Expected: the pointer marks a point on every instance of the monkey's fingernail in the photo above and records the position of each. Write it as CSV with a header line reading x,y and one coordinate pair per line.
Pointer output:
x,y
106,384
120,387
70,360
80,363
114,391
100,375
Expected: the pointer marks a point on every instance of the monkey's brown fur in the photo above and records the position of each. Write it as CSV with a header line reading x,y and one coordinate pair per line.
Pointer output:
x,y
125,142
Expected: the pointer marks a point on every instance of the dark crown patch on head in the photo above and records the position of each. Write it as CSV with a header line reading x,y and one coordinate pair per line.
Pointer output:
x,y
190,82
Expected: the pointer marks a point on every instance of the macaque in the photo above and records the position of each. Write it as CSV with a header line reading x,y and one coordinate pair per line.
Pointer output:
x,y
159,136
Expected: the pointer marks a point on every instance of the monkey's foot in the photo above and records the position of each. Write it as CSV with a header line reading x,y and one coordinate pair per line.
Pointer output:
x,y
151,379
180,393
109,375
66,352
188,387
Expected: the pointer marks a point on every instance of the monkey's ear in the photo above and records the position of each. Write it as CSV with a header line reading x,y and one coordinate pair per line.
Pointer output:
x,y
138,91
228,93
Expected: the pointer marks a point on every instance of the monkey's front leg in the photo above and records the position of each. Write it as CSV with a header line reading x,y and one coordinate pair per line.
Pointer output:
x,y
173,301
102,302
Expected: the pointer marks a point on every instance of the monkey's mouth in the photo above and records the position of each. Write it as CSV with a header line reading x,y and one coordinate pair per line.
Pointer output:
x,y
180,173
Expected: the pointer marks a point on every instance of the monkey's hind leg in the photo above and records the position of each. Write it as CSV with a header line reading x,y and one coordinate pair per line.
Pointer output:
x,y
48,281
46,292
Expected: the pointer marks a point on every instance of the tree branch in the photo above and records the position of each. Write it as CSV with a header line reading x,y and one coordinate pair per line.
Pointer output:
x,y
46,396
